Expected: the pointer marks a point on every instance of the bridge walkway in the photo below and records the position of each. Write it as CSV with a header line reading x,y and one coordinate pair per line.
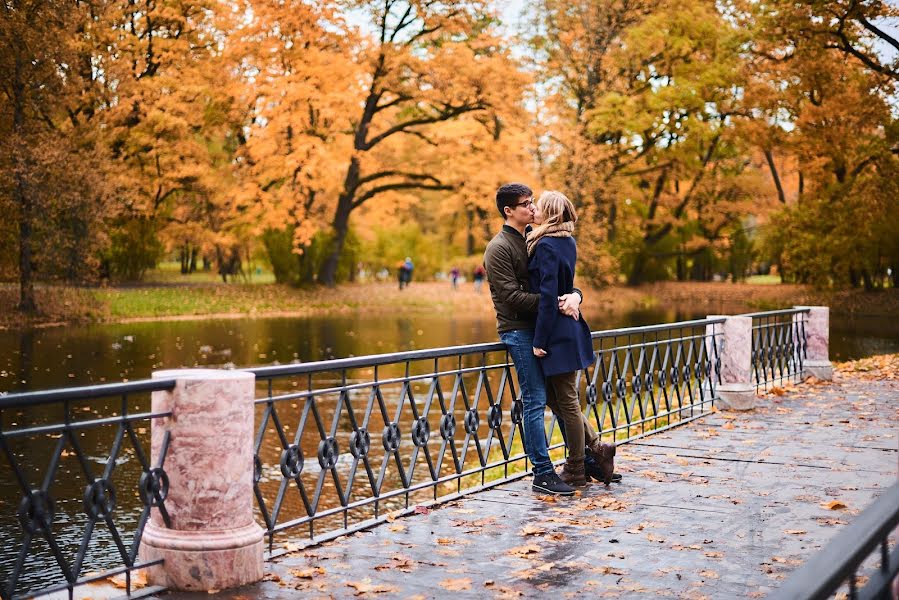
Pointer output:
x,y
724,507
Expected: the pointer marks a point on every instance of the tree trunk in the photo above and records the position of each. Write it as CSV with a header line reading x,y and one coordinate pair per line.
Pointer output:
x,y
636,276
780,190
613,218
27,302
469,241
193,260
868,281
341,223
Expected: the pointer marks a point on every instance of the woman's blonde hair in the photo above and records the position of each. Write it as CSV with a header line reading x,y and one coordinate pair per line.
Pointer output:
x,y
556,209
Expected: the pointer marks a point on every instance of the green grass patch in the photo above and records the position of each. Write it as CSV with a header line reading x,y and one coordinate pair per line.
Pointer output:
x,y
764,280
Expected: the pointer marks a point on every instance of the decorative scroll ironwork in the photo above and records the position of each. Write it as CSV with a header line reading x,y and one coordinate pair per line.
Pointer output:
x,y
396,430
779,346
858,561
69,529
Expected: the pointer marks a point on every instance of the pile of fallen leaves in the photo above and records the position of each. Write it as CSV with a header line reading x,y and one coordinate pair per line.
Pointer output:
x,y
884,366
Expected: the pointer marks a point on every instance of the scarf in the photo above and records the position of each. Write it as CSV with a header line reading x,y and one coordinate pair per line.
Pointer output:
x,y
558,230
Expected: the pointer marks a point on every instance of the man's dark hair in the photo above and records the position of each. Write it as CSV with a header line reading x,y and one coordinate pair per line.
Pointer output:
x,y
509,194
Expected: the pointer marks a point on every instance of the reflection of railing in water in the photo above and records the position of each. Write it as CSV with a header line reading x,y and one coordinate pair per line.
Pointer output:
x,y
385,410
37,509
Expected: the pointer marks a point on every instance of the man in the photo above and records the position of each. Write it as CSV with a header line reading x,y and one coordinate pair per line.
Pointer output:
x,y
506,260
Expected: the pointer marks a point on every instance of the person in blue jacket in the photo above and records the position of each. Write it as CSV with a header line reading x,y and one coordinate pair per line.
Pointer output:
x,y
562,345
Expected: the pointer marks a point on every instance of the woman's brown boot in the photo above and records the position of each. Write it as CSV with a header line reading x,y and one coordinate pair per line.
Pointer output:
x,y
573,473
604,454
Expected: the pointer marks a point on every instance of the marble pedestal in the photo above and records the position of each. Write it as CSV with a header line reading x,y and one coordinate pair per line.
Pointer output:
x,y
213,541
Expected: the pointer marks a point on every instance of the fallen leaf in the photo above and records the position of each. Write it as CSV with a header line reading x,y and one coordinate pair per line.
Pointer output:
x,y
397,527
728,425
367,587
795,531
456,585
422,510
532,530
834,505
524,550
307,573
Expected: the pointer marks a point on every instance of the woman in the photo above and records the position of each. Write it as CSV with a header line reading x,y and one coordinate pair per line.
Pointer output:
x,y
562,344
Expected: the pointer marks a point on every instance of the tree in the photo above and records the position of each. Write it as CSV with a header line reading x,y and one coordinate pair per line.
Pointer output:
x,y
647,96
428,63
46,162
167,120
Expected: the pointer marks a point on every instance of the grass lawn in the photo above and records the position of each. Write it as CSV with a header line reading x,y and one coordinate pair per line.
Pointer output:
x,y
763,280
170,295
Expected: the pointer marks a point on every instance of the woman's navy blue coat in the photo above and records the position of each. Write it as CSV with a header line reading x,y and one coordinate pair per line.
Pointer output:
x,y
566,341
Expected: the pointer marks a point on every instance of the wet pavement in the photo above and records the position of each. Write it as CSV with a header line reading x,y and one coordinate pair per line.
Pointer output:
x,y
724,507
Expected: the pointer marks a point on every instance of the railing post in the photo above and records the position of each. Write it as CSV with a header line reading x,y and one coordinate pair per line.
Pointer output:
x,y
735,391
213,541
816,362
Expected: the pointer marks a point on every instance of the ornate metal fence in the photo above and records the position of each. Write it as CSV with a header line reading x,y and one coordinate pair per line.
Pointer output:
x,y
858,562
341,445
778,346
345,444
77,485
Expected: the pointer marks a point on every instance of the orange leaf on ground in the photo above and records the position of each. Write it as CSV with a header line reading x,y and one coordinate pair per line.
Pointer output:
x,y
833,505
456,585
307,573
525,550
367,587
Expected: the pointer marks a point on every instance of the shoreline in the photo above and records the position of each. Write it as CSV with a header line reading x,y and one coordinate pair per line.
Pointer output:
x,y
64,306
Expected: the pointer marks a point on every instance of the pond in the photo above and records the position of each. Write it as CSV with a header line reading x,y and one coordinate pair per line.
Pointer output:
x,y
82,355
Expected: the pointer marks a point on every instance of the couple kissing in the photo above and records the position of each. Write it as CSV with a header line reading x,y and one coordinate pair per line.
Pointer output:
x,y
530,269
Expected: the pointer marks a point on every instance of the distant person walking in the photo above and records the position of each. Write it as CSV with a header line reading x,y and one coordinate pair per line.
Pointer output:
x,y
408,266
401,274
478,276
454,277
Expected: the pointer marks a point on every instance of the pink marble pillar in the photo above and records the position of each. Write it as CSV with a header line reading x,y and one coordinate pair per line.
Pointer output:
x,y
817,334
213,542
734,342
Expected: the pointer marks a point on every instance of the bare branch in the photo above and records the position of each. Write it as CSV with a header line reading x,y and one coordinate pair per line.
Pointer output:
x,y
407,175
405,185
443,115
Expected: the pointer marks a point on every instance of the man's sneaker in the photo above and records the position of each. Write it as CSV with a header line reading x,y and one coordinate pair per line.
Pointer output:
x,y
550,483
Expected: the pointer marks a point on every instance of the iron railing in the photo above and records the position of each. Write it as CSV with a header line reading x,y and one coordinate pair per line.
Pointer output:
x,y
384,433
345,444
779,345
857,561
58,511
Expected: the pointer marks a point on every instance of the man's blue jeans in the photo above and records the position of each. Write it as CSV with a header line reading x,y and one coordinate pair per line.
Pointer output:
x,y
533,394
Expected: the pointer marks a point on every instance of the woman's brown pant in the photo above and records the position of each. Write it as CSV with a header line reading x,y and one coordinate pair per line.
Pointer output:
x,y
562,399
